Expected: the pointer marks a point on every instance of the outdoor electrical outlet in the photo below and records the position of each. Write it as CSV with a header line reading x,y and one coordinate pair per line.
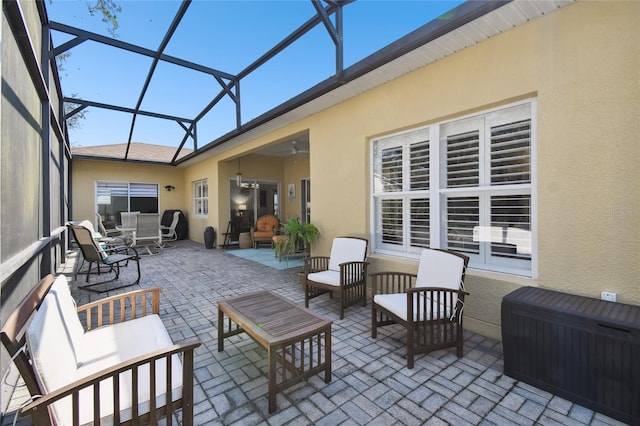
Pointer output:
x,y
607,295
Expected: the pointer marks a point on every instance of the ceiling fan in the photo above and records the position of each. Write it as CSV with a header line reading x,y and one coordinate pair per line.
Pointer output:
x,y
296,149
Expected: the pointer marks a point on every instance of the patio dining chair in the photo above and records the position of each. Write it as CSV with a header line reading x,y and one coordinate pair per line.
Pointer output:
x,y
112,259
428,305
148,234
344,272
169,232
104,231
113,244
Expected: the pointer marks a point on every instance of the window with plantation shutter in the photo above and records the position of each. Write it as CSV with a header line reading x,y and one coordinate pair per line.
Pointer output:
x,y
464,184
401,176
201,198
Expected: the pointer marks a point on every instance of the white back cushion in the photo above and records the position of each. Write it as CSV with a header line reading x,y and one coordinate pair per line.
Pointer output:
x,y
345,249
439,269
49,343
69,313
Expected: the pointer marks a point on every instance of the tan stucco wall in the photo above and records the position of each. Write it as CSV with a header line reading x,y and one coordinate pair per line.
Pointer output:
x,y
581,63
85,174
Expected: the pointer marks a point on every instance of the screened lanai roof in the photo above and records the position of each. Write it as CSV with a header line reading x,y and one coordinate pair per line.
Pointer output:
x,y
202,76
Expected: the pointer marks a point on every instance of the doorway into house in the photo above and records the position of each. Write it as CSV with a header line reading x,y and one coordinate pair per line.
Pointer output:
x,y
252,199
305,199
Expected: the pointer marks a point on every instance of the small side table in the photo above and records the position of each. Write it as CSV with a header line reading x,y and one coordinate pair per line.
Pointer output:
x,y
244,241
280,243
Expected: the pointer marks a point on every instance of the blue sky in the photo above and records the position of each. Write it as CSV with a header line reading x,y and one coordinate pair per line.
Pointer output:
x,y
224,35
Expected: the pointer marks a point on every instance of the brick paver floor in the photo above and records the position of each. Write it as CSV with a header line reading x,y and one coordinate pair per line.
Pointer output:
x,y
370,385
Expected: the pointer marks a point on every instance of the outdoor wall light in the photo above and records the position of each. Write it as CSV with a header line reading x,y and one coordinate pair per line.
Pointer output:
x,y
169,187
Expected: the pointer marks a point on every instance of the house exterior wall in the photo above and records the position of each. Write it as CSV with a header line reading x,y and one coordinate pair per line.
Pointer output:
x,y
581,64
86,172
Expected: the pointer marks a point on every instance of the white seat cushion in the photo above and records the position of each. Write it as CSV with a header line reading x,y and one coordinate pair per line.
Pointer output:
x,y
328,277
396,303
105,346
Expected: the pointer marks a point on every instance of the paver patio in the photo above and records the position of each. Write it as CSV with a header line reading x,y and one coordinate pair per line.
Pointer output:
x,y
370,385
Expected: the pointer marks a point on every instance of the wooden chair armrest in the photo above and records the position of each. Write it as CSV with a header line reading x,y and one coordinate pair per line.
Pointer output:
x,y
387,282
120,307
461,293
38,408
316,264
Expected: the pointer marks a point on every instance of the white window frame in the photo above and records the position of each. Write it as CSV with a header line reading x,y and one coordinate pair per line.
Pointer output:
x,y
439,194
201,198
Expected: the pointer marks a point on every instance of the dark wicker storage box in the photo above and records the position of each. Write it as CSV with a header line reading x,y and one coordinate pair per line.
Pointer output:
x,y
582,349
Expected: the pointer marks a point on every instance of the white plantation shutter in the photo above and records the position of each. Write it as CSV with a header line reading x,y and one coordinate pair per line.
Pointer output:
x,y
419,229
463,217
419,165
401,171
391,170
390,221
512,215
463,159
511,153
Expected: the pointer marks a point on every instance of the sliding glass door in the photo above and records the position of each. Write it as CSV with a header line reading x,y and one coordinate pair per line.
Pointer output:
x,y
252,199
113,198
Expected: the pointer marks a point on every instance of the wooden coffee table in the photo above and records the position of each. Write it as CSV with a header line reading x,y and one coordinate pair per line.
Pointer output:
x,y
297,340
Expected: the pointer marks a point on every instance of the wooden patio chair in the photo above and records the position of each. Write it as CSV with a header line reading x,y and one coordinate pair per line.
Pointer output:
x,y
95,254
428,305
343,272
102,371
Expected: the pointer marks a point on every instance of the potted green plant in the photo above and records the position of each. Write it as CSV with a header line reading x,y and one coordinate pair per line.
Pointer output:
x,y
304,233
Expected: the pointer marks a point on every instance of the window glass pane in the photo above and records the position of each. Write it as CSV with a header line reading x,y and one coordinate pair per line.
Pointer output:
x,y
511,217
112,199
463,218
463,159
391,222
419,165
143,198
420,236
511,153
